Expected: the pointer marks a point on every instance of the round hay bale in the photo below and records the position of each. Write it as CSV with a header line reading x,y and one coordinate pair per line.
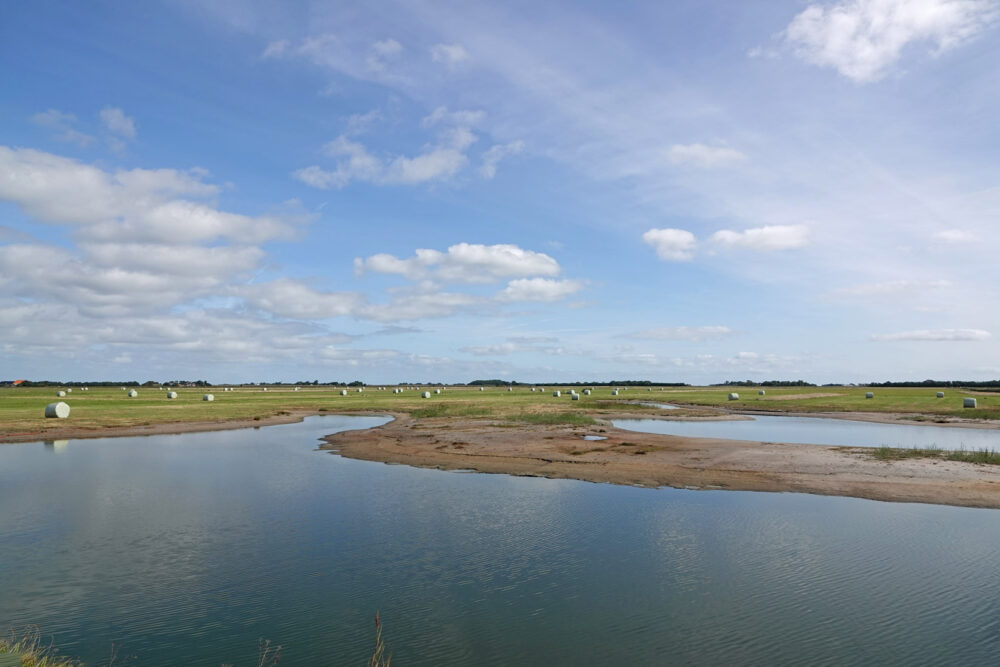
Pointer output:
x,y
208,397
940,394
437,391
557,393
969,403
60,394
360,389
58,410
132,393
482,389
171,394
510,389
264,389
425,394
761,392
869,394
734,396
614,392
586,392
575,397
69,390
343,392
296,389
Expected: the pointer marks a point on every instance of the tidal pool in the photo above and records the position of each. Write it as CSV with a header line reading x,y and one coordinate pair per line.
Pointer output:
x,y
186,549
822,431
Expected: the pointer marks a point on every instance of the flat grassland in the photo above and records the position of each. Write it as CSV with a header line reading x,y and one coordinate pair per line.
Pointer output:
x,y
99,409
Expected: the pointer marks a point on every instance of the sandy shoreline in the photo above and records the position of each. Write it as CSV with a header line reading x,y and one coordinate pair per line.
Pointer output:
x,y
628,457
652,460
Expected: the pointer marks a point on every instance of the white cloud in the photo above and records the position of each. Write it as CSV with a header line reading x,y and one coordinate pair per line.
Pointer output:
x,y
492,350
935,335
449,54
675,245
496,153
138,205
381,52
862,39
356,163
538,289
954,236
771,237
116,122
892,288
461,117
685,333
705,157
63,124
463,263
418,305
275,49
289,298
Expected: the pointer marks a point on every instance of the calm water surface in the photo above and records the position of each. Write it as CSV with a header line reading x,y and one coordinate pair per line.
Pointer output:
x,y
187,549
823,431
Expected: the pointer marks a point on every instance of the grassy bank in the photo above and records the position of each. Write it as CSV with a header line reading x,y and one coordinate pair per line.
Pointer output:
x,y
21,409
983,456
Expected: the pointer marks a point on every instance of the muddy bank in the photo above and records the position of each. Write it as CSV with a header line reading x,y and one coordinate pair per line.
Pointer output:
x,y
626,457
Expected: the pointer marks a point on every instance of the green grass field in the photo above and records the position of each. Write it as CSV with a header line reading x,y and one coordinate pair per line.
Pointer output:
x,y
21,409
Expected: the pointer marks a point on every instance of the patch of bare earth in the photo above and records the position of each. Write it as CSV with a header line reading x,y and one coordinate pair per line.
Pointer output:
x,y
660,460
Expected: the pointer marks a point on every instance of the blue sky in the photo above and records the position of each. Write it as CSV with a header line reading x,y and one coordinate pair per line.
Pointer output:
x,y
685,191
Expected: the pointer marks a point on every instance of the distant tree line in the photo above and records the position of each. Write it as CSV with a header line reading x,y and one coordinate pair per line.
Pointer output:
x,y
939,383
765,383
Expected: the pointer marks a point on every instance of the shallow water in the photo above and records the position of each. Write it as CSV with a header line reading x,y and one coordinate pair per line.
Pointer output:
x,y
823,431
186,549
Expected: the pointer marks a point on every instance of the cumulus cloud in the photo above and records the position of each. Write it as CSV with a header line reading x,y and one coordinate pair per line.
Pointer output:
x,y
705,157
292,299
862,39
129,205
116,122
935,335
675,245
538,289
449,54
463,263
771,237
684,333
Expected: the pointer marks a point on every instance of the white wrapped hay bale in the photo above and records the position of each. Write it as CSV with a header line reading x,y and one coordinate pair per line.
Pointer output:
x,y
586,392
69,390
869,394
437,391
58,410
968,402
132,393
557,393
343,392
940,394
614,392
208,397
425,394
575,397
296,389
60,394
171,394
734,396
761,392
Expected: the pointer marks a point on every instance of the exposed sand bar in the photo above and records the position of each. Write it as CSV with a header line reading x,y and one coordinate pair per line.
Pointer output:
x,y
643,459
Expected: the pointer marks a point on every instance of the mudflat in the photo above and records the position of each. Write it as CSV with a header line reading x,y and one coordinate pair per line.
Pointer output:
x,y
642,459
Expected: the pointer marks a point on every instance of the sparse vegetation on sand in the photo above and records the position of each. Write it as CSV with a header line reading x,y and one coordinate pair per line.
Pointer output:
x,y
983,456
